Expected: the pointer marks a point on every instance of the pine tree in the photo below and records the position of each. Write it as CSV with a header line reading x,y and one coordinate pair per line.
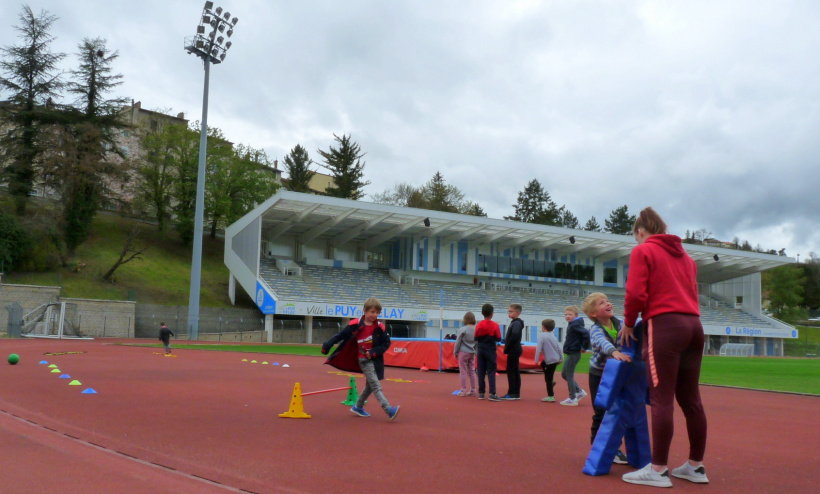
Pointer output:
x,y
346,166
592,225
30,81
536,206
473,209
568,220
620,222
297,164
87,131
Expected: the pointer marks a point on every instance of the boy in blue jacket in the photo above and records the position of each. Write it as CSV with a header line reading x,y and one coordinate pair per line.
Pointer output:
x,y
577,340
363,343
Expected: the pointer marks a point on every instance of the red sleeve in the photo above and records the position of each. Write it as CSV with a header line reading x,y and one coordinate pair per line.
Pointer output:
x,y
637,289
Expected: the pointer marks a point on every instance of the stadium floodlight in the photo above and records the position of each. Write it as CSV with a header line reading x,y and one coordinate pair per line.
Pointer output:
x,y
234,21
209,48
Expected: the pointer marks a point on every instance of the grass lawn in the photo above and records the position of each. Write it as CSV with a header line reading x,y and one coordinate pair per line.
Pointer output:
x,y
778,374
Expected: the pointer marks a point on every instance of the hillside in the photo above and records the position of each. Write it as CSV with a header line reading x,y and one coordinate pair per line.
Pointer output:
x,y
161,277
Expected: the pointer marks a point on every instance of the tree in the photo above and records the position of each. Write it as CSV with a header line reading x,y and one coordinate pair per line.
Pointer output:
x,y
536,206
237,183
437,195
346,166
811,293
15,242
128,247
473,209
399,196
620,222
155,170
186,169
31,83
568,220
84,161
592,225
297,164
784,285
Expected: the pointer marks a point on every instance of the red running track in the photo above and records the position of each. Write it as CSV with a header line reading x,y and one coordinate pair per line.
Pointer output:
x,y
207,422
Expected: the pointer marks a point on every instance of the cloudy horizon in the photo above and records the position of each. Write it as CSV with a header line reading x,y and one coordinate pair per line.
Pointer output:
x,y
707,111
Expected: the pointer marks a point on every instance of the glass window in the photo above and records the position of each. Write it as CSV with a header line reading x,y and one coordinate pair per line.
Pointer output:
x,y
503,265
610,275
421,257
435,258
492,264
529,267
539,268
463,259
516,265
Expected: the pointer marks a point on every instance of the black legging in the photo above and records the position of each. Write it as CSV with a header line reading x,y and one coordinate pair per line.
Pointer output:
x,y
549,376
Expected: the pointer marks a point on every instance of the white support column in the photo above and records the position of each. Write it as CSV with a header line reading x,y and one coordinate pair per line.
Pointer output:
x,y
232,288
309,333
269,327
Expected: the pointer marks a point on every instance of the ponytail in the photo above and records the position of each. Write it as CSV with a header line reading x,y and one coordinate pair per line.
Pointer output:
x,y
650,221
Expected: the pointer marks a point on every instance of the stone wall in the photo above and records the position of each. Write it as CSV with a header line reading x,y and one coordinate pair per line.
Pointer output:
x,y
104,318
28,296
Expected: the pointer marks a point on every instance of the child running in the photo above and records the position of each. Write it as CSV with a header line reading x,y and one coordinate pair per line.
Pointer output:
x,y
366,356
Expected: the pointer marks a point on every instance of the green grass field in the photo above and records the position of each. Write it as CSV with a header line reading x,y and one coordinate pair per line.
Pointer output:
x,y
775,374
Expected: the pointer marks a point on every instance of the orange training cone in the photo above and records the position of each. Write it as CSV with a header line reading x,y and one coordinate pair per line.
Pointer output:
x,y
297,409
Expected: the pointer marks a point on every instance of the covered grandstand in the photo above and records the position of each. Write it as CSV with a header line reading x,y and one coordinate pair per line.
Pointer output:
x,y
311,261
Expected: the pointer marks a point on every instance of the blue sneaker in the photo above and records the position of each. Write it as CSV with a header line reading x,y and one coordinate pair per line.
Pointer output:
x,y
359,411
392,412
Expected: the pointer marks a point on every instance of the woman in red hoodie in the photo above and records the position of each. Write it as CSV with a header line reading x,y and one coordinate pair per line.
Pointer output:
x,y
662,288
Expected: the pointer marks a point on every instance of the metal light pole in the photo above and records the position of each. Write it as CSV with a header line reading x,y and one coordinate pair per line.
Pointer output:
x,y
210,49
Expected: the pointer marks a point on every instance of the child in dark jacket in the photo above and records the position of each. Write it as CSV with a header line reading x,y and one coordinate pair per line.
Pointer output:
x,y
363,343
165,335
513,351
577,340
487,334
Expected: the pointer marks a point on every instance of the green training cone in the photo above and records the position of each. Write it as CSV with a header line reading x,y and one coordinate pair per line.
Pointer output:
x,y
75,383
352,393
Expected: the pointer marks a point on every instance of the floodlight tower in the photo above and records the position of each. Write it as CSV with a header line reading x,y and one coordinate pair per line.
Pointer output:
x,y
210,48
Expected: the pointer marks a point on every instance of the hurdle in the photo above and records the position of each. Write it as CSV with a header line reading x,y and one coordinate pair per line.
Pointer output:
x,y
297,408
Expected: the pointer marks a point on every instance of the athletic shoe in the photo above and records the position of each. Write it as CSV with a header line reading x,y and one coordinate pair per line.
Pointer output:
x,y
471,393
690,473
462,393
648,476
494,398
359,411
620,458
569,402
581,394
392,412
509,397
480,396
548,399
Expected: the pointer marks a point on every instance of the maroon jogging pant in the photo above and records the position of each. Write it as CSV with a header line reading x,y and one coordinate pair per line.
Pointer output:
x,y
673,353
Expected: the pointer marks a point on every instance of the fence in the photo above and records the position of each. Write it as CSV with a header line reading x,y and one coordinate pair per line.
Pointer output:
x,y
215,324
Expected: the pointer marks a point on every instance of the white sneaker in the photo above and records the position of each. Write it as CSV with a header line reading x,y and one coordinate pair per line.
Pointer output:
x,y
569,402
581,394
690,473
648,476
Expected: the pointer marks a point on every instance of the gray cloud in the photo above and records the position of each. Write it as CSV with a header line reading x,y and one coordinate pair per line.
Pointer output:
x,y
707,111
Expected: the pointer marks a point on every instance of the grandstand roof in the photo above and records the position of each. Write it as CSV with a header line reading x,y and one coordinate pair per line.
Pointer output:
x,y
341,221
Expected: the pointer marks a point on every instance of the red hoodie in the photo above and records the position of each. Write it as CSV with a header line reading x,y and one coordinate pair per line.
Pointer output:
x,y
662,278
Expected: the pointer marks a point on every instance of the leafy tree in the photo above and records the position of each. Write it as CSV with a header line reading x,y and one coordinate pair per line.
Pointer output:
x,y
568,220
30,83
620,222
592,225
14,242
237,183
399,196
811,293
297,164
346,166
473,209
186,168
784,285
536,206
156,169
437,195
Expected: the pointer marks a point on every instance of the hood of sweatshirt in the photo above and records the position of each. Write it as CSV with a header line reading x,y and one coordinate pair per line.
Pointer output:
x,y
669,243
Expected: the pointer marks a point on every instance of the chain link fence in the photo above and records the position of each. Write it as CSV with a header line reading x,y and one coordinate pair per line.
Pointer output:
x,y
215,324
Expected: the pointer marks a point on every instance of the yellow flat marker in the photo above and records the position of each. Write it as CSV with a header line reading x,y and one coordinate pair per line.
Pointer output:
x,y
75,383
55,370
264,363
253,361
52,366
244,360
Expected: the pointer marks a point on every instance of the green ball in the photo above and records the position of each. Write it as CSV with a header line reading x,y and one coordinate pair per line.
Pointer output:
x,y
13,358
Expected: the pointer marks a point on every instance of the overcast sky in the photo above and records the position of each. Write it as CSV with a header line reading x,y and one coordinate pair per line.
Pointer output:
x,y
709,111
